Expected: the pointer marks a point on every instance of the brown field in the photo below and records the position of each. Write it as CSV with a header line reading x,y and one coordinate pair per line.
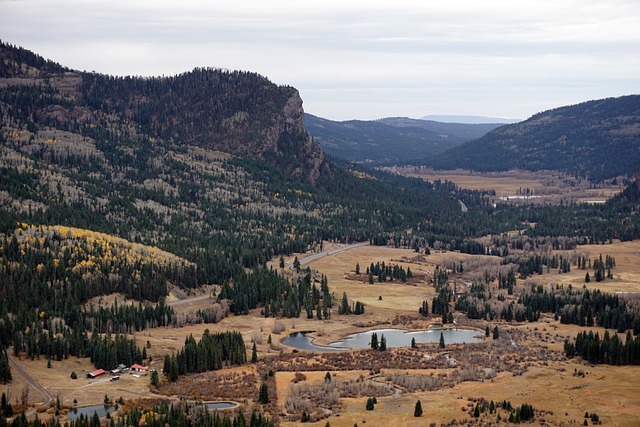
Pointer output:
x,y
544,378
609,391
626,275
547,185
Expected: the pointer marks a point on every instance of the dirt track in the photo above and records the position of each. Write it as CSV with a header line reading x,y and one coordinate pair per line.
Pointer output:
x,y
32,382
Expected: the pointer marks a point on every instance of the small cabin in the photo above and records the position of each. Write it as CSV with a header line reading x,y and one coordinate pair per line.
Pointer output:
x,y
138,368
96,374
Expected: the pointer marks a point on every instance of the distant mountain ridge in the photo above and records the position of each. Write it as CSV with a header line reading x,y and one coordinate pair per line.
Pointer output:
x,y
467,131
389,140
468,119
598,139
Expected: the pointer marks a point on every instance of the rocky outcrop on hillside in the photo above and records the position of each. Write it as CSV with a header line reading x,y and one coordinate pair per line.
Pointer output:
x,y
237,112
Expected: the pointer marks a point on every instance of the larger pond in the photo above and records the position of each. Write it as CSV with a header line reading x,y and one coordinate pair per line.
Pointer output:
x,y
88,411
402,338
393,337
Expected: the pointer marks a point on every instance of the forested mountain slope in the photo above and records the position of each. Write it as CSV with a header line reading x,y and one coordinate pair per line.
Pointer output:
x,y
213,166
237,112
597,139
390,140
466,131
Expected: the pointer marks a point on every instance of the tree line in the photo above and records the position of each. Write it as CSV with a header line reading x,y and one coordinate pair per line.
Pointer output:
x,y
579,306
609,349
277,295
179,414
386,272
210,353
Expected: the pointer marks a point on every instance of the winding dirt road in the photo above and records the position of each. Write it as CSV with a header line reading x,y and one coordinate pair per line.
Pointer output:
x,y
314,257
32,383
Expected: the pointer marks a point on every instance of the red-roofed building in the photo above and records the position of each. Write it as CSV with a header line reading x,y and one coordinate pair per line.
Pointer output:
x,y
96,374
138,368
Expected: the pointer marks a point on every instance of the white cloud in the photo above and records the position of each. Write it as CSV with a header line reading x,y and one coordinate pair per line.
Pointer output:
x,y
358,59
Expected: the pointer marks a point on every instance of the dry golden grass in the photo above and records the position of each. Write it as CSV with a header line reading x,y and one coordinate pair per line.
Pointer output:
x,y
553,185
503,185
626,274
609,391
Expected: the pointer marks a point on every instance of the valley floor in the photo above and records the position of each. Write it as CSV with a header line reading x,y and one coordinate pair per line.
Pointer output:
x,y
525,365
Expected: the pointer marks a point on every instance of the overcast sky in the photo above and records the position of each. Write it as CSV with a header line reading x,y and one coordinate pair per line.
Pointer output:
x,y
357,59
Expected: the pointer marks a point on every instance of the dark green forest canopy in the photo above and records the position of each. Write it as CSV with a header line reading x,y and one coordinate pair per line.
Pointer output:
x,y
595,139
179,414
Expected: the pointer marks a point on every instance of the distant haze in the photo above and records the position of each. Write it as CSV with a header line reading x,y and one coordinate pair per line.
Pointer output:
x,y
468,119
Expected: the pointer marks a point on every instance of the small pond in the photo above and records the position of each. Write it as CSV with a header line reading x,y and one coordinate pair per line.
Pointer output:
x,y
88,411
394,338
303,342
220,405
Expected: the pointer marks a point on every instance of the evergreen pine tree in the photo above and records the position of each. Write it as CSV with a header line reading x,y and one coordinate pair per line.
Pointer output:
x,y
344,306
441,344
155,380
254,353
166,367
263,396
174,369
417,412
5,368
374,341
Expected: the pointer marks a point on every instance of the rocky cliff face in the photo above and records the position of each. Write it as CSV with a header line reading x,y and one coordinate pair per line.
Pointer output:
x,y
311,150
237,112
